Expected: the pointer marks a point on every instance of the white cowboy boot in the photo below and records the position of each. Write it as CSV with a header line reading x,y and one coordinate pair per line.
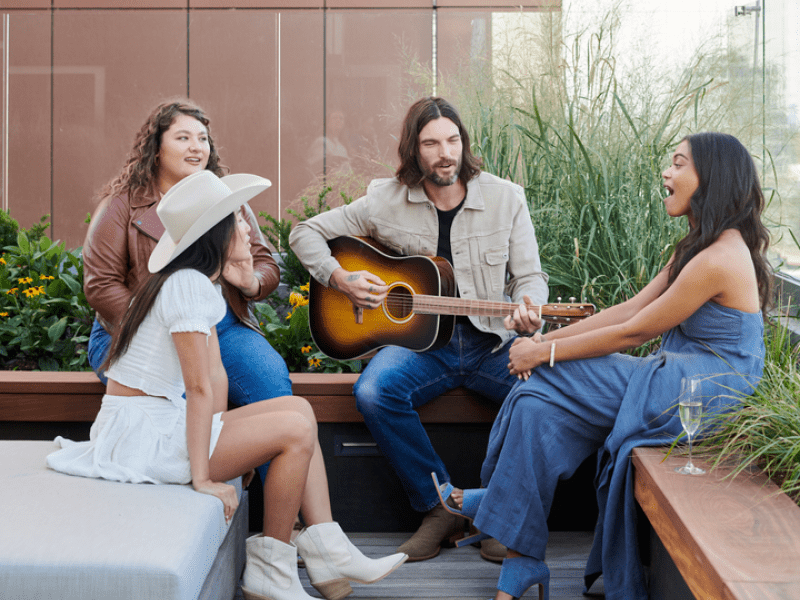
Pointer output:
x,y
271,571
332,561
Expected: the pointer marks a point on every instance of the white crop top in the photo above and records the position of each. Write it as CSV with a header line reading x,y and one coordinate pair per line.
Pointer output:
x,y
188,301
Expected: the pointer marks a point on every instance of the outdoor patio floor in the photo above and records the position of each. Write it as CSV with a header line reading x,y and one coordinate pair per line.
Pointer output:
x,y
462,573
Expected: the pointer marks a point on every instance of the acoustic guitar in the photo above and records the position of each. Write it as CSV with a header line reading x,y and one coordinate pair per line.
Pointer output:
x,y
419,311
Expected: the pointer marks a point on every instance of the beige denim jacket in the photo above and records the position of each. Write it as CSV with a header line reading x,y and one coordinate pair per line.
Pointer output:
x,y
495,254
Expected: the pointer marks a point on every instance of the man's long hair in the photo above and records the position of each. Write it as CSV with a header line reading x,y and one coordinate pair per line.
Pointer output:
x,y
728,196
420,114
206,255
139,173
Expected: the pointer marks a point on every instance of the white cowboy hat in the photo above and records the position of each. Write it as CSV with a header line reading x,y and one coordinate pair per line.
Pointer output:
x,y
194,205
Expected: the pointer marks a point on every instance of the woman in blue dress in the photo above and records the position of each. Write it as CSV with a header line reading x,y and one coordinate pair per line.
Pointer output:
x,y
578,395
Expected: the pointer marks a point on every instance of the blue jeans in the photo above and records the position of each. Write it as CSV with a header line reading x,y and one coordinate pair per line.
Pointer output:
x,y
255,370
397,381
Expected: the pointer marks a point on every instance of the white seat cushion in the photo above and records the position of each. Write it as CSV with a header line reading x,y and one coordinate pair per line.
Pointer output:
x,y
71,537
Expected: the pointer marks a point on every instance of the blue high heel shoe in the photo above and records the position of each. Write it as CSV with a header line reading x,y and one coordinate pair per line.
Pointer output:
x,y
520,573
469,507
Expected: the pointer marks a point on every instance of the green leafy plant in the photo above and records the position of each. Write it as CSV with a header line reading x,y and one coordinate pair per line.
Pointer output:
x,y
291,337
44,317
277,231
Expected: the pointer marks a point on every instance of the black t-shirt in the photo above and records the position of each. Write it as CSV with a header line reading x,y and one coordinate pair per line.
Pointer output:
x,y
443,247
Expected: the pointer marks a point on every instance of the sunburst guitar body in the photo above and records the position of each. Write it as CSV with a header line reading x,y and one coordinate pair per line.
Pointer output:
x,y
419,311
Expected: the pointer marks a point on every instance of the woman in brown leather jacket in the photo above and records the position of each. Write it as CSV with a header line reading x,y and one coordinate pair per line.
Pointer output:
x,y
174,142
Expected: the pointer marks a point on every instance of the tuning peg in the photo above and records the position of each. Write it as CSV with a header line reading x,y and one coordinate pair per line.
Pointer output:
x,y
558,299
572,299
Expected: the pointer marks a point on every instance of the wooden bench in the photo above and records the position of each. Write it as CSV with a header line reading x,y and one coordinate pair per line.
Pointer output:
x,y
729,538
76,396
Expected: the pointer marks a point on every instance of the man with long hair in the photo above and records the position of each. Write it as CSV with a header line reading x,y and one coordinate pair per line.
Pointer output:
x,y
439,204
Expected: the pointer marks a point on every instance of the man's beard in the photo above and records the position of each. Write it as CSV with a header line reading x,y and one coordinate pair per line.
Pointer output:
x,y
431,176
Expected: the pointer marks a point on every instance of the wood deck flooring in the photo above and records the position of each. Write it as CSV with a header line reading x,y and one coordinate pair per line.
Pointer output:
x,y
462,573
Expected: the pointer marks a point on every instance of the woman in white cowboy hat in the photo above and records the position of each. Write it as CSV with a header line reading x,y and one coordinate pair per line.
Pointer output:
x,y
164,418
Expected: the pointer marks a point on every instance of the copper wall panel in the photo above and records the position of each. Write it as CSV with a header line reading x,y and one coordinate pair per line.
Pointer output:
x,y
29,117
122,4
493,4
370,60
302,101
272,4
464,45
106,82
234,75
24,4
395,4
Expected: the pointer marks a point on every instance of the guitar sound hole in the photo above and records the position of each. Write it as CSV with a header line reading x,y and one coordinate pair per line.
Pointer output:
x,y
399,303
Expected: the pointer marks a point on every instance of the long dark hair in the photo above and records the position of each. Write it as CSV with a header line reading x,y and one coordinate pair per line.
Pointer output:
x,y
206,255
138,175
728,197
420,114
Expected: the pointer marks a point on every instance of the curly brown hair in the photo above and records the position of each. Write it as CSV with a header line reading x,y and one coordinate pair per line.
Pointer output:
x,y
421,113
139,173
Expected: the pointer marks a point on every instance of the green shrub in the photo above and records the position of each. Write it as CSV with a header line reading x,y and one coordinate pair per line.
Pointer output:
x,y
44,317
277,231
289,334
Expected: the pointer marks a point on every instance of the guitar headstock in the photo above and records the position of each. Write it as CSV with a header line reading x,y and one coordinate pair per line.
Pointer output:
x,y
564,313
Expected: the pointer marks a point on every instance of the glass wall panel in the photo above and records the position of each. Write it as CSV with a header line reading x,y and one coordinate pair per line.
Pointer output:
x,y
26,140
105,83
746,57
233,74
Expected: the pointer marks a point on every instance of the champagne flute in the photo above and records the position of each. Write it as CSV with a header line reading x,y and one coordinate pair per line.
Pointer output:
x,y
690,407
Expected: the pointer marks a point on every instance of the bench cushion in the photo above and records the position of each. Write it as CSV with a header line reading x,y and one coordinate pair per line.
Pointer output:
x,y
76,538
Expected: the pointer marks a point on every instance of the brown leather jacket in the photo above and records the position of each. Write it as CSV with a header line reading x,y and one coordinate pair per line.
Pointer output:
x,y
116,252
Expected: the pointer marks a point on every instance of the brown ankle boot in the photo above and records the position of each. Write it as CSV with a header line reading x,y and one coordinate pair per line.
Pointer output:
x,y
493,551
438,527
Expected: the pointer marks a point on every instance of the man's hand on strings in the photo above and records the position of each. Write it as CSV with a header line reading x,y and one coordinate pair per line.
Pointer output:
x,y
364,289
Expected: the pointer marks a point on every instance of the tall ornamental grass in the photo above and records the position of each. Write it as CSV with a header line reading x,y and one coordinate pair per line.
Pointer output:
x,y
588,143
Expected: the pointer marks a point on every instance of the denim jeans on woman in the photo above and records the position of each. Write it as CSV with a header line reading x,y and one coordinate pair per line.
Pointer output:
x,y
255,370
397,381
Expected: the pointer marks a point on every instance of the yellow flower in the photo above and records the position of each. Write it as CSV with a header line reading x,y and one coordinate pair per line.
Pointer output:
x,y
46,277
296,299
12,291
289,316
305,349
40,290
25,280
3,261
305,288
3,314
313,362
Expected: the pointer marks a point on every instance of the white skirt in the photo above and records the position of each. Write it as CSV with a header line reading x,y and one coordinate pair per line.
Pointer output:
x,y
136,439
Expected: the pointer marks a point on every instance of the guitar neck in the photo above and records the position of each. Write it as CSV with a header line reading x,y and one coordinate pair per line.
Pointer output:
x,y
443,305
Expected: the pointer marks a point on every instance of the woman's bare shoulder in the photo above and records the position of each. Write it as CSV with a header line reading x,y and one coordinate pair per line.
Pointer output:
x,y
728,261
